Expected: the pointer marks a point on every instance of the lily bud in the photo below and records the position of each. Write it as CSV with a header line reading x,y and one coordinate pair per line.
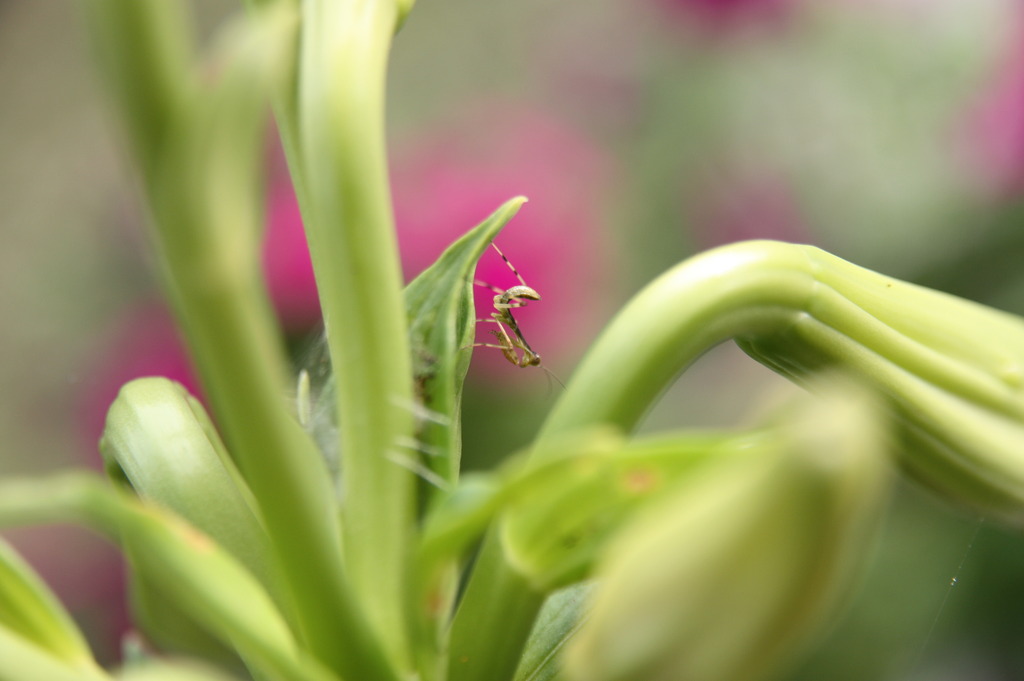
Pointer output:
x,y
160,440
952,370
728,575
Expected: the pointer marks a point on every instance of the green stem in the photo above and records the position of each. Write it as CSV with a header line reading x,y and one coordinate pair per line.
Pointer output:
x,y
287,476
144,50
736,291
200,152
493,621
335,132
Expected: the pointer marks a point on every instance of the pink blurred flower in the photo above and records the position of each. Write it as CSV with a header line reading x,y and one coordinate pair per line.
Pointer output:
x,y
286,262
445,183
452,177
145,342
717,15
994,130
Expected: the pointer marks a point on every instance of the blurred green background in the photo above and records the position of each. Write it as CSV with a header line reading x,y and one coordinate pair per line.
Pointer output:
x,y
890,132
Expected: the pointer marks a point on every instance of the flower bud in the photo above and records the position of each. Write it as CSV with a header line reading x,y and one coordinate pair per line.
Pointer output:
x,y
728,575
952,370
159,439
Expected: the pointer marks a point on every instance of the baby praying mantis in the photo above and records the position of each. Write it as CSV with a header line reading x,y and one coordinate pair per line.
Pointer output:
x,y
514,347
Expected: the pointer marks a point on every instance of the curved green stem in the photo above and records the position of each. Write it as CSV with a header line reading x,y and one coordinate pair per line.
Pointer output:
x,y
739,290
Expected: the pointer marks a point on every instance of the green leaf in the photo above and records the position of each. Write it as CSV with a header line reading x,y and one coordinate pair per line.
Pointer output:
x,y
22,660
559,620
404,7
170,629
562,518
29,609
439,303
187,566
168,670
556,514
462,516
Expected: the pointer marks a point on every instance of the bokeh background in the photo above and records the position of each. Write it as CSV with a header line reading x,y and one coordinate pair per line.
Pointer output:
x,y
890,132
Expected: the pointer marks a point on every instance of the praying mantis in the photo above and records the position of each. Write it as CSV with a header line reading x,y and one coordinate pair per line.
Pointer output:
x,y
513,346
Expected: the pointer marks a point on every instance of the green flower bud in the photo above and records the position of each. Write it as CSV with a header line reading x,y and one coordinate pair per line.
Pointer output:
x,y
159,439
953,371
728,575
